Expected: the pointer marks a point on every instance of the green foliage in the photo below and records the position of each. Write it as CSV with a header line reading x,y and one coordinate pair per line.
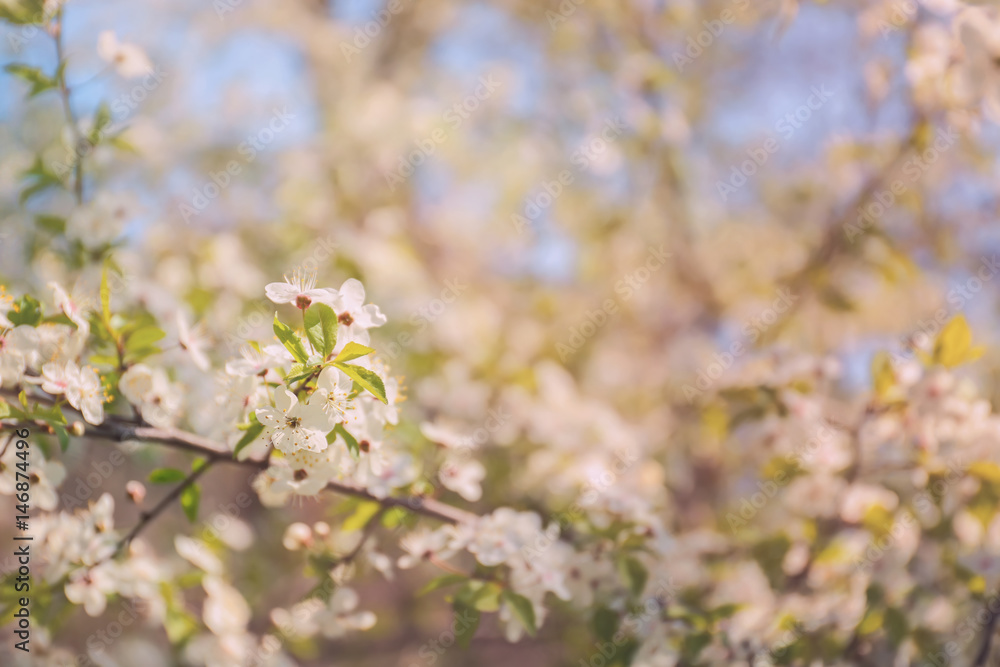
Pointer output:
x,y
366,379
190,499
167,476
321,328
26,311
34,77
290,340
522,609
953,346
353,351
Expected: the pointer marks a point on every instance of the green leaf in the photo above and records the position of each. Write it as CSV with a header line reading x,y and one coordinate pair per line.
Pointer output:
x,y
290,340
190,497
22,12
144,337
442,582
694,644
52,414
985,470
105,297
299,372
522,609
42,178
167,476
896,625
353,351
321,328
466,623
252,434
102,118
179,624
605,623
362,515
352,442
883,375
366,378
39,81
634,573
26,310
63,436
954,344
51,223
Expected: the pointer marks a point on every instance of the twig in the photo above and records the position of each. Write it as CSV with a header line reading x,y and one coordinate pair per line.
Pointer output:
x,y
147,518
984,648
67,108
118,431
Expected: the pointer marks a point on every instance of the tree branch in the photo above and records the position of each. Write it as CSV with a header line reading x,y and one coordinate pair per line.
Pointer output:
x,y
147,518
118,431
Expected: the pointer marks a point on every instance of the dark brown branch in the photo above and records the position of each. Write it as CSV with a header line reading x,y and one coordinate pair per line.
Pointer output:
x,y
118,431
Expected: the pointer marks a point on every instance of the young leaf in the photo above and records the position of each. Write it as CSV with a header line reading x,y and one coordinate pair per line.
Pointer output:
x,y
166,476
144,337
634,573
352,442
63,436
466,623
321,328
883,375
40,82
190,497
522,609
252,434
105,297
353,351
26,310
441,582
291,341
954,344
366,378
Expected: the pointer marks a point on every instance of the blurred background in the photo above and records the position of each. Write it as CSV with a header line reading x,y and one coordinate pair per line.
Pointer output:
x,y
581,218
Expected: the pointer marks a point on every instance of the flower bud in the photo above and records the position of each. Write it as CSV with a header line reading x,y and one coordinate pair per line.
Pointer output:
x,y
78,429
297,536
136,491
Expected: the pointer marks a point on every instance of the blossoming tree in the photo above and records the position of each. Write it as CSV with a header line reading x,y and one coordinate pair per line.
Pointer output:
x,y
652,382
